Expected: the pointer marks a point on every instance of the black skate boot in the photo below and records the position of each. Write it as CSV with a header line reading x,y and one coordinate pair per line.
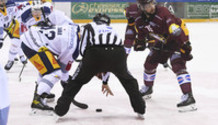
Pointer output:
x,y
23,60
146,91
187,103
39,105
15,59
48,97
9,65
38,102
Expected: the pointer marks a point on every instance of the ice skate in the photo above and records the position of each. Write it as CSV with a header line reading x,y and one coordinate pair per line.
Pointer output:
x,y
140,116
146,92
9,65
15,59
187,103
48,97
39,106
23,60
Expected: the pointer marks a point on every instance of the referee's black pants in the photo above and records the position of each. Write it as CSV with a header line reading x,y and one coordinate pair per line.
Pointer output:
x,y
96,60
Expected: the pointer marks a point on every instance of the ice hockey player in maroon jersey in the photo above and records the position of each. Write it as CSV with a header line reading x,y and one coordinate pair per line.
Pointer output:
x,y
170,41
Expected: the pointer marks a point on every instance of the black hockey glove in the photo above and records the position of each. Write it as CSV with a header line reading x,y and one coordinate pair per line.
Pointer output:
x,y
140,45
158,46
186,51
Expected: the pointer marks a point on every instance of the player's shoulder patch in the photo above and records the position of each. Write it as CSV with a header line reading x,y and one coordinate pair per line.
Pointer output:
x,y
26,15
47,10
163,10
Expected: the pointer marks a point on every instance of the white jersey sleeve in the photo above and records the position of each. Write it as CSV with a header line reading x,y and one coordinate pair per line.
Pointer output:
x,y
70,53
49,5
55,19
61,40
7,17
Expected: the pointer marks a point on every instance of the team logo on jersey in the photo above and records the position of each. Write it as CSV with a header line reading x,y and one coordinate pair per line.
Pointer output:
x,y
38,63
52,60
153,24
148,27
38,66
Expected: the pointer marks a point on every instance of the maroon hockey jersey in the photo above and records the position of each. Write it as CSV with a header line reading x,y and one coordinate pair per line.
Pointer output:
x,y
161,24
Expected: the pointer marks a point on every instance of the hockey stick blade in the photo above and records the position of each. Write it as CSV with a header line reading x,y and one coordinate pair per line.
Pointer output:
x,y
21,72
79,104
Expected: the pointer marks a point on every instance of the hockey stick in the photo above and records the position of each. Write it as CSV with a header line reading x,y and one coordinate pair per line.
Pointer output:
x,y
79,104
5,36
21,72
44,16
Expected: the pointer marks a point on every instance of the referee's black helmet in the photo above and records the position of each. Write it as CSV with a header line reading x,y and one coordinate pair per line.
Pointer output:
x,y
100,18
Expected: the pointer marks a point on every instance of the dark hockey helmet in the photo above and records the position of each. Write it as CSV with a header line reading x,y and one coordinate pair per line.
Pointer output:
x,y
147,6
100,18
143,2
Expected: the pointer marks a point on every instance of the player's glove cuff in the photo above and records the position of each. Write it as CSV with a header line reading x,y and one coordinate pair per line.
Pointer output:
x,y
140,45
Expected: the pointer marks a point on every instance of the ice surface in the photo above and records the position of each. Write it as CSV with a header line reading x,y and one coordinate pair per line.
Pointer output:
x,y
161,109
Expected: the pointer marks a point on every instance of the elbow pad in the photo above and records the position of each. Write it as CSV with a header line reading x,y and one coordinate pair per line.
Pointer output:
x,y
175,29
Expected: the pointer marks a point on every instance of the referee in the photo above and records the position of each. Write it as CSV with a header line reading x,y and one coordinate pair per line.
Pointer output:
x,y
102,51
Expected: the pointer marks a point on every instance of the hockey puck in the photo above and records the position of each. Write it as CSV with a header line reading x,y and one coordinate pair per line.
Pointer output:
x,y
98,110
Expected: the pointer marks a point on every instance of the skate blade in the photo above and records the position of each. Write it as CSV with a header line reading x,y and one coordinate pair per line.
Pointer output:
x,y
188,108
146,97
16,59
50,100
38,112
140,117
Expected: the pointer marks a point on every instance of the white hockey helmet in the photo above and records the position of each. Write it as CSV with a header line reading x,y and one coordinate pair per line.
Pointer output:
x,y
36,9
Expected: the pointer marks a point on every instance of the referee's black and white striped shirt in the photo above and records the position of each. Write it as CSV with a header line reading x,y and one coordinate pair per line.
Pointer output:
x,y
98,35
